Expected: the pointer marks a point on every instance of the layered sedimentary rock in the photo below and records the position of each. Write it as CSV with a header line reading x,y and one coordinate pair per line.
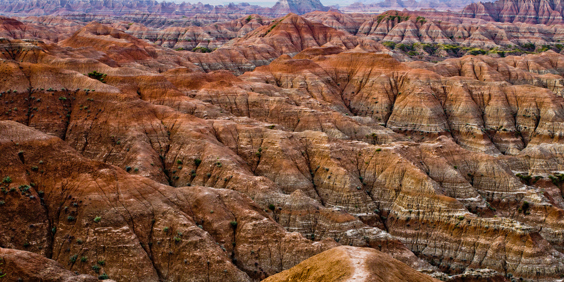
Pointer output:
x,y
417,27
54,102
286,35
78,8
118,8
298,6
84,223
210,36
17,265
145,163
412,5
242,44
350,264
526,11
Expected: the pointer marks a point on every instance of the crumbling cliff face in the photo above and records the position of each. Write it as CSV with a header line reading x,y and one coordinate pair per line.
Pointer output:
x,y
130,160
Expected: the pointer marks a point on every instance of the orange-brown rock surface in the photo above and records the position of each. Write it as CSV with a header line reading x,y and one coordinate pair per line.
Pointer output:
x,y
17,265
350,264
143,163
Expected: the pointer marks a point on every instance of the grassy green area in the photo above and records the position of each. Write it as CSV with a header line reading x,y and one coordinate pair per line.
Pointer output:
x,y
438,50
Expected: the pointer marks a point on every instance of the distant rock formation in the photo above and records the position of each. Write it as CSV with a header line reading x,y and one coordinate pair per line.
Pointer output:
x,y
526,11
123,7
370,6
298,6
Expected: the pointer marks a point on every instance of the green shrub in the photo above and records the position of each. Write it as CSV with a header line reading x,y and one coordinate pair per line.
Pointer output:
x,y
202,50
97,219
233,224
96,268
389,44
405,47
557,179
422,20
525,207
525,178
97,75
529,47
477,51
73,258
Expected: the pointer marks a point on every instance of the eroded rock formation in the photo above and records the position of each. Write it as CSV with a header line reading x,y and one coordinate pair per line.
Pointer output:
x,y
526,11
145,163
350,264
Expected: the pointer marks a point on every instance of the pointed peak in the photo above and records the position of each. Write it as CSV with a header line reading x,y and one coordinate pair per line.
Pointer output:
x,y
299,7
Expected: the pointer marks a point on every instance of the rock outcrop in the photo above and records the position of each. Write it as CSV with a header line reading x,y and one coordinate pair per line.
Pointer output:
x,y
16,265
350,264
145,163
94,218
283,7
411,5
121,8
288,35
526,11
